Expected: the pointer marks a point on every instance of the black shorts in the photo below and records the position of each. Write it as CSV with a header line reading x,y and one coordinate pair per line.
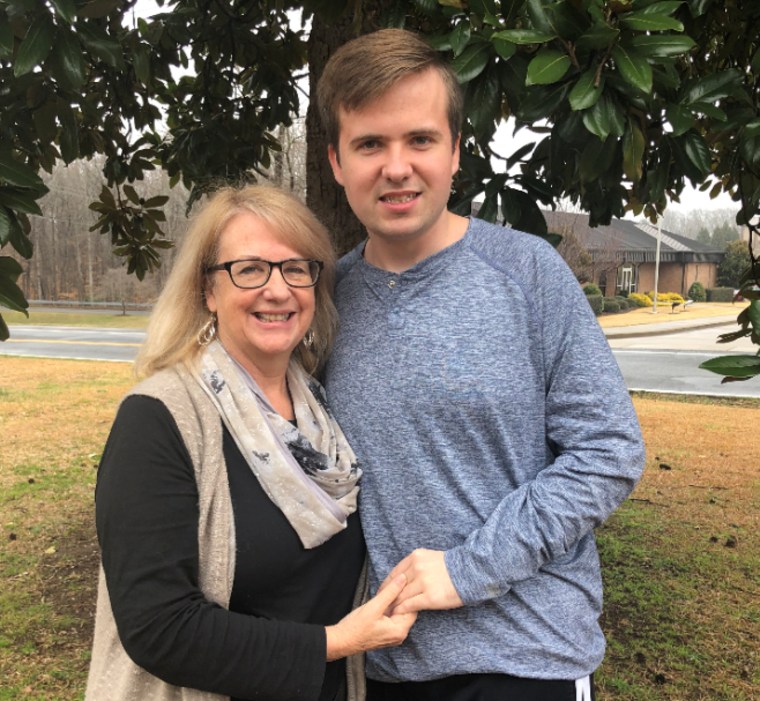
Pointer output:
x,y
481,687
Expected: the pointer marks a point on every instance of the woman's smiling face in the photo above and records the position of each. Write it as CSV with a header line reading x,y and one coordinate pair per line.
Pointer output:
x,y
260,328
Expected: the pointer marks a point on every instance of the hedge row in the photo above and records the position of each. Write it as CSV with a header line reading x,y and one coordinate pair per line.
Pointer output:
x,y
720,294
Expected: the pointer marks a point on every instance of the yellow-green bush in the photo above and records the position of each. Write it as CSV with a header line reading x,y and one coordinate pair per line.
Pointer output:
x,y
640,300
666,297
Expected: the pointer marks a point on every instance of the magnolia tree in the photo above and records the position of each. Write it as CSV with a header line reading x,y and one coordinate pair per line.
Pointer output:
x,y
626,101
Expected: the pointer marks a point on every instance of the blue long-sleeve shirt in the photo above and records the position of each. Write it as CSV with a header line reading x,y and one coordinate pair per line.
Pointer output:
x,y
493,423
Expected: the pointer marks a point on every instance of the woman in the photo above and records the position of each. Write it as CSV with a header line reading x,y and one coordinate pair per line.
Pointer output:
x,y
226,495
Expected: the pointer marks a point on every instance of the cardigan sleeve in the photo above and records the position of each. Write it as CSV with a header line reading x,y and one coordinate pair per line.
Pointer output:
x,y
147,524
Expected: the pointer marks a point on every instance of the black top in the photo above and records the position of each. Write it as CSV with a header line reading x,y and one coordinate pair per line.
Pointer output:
x,y
271,643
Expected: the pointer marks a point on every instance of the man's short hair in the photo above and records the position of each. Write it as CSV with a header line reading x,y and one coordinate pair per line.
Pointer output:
x,y
365,68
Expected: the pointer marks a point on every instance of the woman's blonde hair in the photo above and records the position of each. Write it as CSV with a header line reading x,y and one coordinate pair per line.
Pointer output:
x,y
180,311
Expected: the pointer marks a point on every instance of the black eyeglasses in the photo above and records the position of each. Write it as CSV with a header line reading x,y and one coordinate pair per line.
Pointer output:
x,y
250,273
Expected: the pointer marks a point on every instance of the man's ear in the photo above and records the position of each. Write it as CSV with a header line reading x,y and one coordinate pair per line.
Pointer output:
x,y
332,155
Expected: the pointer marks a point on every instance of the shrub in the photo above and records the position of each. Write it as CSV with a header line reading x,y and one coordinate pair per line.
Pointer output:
x,y
697,292
667,297
592,289
720,294
640,300
596,302
623,302
611,305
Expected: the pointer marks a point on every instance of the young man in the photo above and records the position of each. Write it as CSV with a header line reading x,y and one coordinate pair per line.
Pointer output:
x,y
475,384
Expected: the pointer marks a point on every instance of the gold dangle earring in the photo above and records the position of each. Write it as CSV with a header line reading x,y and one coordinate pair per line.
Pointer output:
x,y
208,331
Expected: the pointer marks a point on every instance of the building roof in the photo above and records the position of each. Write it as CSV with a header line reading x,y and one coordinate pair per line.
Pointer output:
x,y
624,240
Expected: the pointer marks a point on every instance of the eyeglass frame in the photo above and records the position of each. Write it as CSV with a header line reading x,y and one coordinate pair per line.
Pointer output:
x,y
227,265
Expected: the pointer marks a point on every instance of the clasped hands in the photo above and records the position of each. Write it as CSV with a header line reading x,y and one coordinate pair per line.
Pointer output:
x,y
417,583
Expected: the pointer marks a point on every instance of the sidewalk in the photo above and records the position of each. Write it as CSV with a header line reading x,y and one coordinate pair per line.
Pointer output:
x,y
643,322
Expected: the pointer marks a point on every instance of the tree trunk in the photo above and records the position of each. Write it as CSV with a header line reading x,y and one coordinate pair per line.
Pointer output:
x,y
323,195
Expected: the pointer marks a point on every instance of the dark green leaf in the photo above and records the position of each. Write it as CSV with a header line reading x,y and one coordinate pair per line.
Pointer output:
x,y
604,118
20,174
522,212
101,45
484,104
713,87
426,6
754,315
585,92
697,151
666,7
99,8
131,194
460,36
69,139
752,129
10,268
680,118
709,109
547,66
524,36
633,152
506,49
11,295
733,365
68,65
569,22
597,158
20,200
599,36
6,39
733,336
540,101
5,225
634,68
66,9
647,22
471,62
35,47
538,16
141,63
662,45
157,201
489,210
19,240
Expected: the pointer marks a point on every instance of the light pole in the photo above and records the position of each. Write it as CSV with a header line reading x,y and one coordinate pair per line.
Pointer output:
x,y
657,265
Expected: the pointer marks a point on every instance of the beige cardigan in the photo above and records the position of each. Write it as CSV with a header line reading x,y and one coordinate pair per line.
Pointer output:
x,y
113,676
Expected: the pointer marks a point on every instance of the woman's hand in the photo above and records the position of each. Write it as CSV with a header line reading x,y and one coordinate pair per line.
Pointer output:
x,y
370,626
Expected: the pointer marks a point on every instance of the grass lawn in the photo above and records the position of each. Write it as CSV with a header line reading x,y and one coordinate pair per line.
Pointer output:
x,y
680,559
99,319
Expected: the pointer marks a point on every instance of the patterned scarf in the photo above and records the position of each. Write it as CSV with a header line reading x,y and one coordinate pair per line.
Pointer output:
x,y
308,471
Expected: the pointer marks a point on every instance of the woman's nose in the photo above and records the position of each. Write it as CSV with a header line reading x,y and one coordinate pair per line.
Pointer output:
x,y
276,285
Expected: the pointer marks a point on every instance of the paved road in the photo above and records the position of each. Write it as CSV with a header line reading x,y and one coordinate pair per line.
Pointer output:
x,y
68,342
663,363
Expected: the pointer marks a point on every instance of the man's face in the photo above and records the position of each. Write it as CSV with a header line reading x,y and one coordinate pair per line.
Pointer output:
x,y
396,159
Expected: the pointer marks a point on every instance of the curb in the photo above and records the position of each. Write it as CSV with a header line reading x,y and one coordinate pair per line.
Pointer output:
x,y
663,328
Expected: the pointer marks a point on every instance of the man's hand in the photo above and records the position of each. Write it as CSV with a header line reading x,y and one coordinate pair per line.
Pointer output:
x,y
428,585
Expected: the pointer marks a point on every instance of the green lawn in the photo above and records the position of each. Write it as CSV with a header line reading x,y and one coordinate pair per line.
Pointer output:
x,y
680,559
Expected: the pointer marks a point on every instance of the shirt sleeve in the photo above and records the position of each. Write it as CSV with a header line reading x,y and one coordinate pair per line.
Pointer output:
x,y
147,525
593,439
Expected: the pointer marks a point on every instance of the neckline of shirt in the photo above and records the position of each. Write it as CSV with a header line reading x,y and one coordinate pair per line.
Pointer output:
x,y
421,269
